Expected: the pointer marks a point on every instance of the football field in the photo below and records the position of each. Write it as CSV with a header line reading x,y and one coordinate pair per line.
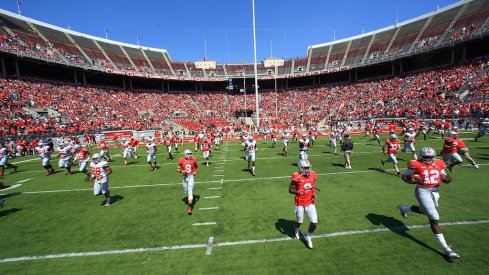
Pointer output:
x,y
241,223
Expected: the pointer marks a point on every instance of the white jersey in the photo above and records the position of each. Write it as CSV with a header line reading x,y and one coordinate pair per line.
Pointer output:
x,y
250,147
99,169
409,137
65,152
304,144
44,151
151,148
3,152
127,146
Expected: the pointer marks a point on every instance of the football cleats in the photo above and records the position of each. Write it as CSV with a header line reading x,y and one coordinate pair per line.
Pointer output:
x,y
427,155
304,167
96,157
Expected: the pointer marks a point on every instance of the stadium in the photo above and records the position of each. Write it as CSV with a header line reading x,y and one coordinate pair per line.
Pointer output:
x,y
64,92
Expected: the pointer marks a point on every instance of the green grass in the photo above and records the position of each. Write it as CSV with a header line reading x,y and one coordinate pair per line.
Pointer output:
x,y
250,208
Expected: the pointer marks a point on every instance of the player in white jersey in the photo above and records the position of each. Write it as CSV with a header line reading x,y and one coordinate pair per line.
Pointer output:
x,y
4,153
151,151
303,147
250,153
409,141
127,150
44,151
100,173
265,135
332,140
217,139
66,157
285,140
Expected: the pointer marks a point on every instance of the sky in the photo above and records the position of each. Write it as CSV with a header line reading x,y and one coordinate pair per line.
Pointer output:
x,y
222,30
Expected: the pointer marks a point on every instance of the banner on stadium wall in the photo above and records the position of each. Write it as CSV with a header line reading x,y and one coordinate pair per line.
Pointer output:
x,y
114,135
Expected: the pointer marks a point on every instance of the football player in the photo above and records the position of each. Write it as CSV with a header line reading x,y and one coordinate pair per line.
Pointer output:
x,y
426,173
332,140
151,152
376,132
82,155
285,140
449,152
100,173
44,151
66,157
483,129
4,153
302,185
104,150
188,167
464,151
303,147
168,144
393,145
250,153
409,141
206,147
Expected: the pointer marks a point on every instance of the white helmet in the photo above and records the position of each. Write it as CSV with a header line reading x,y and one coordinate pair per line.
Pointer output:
x,y
427,154
187,153
304,167
392,136
96,157
452,134
250,138
77,146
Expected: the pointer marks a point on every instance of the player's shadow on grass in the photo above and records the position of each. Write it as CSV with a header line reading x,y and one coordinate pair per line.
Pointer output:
x,y
286,227
194,201
10,194
113,199
338,164
7,212
398,227
381,170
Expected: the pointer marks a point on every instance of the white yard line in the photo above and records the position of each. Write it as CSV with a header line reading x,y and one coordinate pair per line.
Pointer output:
x,y
212,197
214,188
215,181
235,243
209,208
204,223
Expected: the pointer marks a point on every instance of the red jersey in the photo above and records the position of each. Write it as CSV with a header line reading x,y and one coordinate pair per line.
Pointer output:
x,y
460,143
430,173
450,146
104,146
188,166
82,154
167,142
206,146
393,146
392,127
134,142
376,131
306,185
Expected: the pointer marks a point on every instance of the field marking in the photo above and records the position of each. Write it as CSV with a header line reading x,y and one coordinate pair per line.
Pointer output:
x,y
204,223
215,181
235,243
218,170
212,197
209,246
214,188
20,181
217,176
208,208
11,187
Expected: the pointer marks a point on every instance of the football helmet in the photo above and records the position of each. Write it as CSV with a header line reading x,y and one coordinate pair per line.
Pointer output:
x,y
250,138
410,130
427,155
96,157
304,167
77,147
392,137
452,134
187,153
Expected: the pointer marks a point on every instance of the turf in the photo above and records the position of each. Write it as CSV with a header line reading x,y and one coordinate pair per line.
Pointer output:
x,y
149,211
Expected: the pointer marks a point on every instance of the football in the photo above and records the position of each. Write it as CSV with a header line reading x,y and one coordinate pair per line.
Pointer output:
x,y
415,178
446,179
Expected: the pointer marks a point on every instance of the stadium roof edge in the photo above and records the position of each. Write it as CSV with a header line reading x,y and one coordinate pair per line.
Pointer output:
x,y
84,35
426,15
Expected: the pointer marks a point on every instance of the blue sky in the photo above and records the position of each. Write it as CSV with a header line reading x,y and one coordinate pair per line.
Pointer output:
x,y
284,28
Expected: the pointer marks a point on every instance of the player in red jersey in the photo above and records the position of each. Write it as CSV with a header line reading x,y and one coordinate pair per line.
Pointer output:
x,y
302,186
134,143
206,148
168,143
426,173
449,152
376,132
392,128
82,155
464,151
104,150
188,167
393,145
175,140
